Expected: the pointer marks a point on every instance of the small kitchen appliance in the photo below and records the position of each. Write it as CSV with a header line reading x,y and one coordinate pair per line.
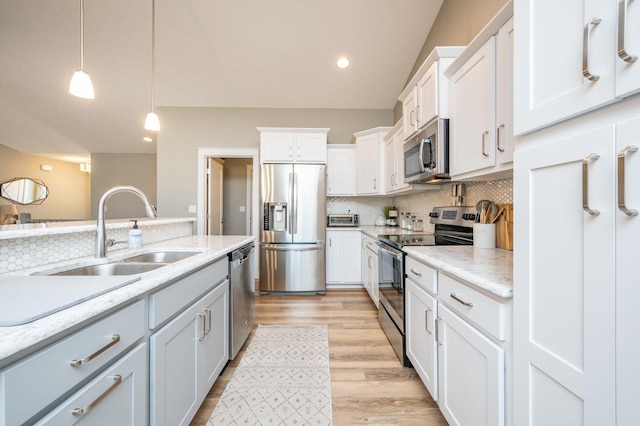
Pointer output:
x,y
453,226
338,220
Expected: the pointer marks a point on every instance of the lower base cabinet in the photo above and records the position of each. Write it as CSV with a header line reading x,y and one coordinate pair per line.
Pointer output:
x,y
186,357
422,350
118,396
370,268
471,374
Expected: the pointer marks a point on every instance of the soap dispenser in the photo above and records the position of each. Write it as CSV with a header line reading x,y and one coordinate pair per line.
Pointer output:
x,y
135,235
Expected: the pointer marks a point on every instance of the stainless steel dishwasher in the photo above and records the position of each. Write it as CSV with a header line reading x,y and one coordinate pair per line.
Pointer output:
x,y
242,296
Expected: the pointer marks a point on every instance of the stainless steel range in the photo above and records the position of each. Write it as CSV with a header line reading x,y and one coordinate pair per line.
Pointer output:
x,y
453,226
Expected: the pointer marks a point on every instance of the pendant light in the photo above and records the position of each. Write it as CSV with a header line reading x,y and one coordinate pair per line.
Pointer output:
x,y
152,122
81,85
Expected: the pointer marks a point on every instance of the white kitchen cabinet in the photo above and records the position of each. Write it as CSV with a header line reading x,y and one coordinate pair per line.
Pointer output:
x,y
480,128
370,268
575,325
394,161
118,396
341,170
187,355
471,374
369,161
288,145
343,257
66,364
422,349
566,67
426,96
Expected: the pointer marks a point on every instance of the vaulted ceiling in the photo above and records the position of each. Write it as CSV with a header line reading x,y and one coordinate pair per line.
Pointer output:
x,y
209,53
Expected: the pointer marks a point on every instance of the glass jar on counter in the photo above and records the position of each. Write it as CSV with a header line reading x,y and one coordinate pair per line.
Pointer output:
x,y
417,224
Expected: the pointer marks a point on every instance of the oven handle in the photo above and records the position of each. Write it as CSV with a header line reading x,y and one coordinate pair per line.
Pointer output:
x,y
389,252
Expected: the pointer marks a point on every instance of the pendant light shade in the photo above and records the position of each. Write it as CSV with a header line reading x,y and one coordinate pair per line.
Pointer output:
x,y
152,122
81,85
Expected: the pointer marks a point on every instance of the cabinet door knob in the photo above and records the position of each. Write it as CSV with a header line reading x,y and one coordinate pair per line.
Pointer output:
x,y
585,50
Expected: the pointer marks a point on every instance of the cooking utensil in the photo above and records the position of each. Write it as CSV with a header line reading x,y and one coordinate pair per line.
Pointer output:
x,y
482,207
497,216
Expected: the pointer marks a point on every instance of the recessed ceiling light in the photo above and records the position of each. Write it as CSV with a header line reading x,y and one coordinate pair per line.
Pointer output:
x,y
147,139
343,62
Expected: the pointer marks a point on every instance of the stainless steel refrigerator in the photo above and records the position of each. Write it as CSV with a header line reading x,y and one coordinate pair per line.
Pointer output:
x,y
292,240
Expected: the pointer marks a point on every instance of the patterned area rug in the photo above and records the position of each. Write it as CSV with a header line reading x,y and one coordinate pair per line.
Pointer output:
x,y
283,379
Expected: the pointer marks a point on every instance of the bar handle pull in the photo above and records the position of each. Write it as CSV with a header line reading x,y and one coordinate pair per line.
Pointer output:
x,y
622,23
79,412
426,321
621,183
437,330
414,272
585,50
498,131
80,362
585,184
484,137
457,299
203,317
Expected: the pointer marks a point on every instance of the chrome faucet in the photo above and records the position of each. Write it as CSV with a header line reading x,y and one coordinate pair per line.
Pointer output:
x,y
101,232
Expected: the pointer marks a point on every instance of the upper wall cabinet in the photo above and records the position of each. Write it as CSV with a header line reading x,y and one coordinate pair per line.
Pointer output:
x,y
575,57
341,169
427,94
480,89
287,145
370,161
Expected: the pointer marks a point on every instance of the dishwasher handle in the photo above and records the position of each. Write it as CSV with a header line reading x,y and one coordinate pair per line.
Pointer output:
x,y
238,256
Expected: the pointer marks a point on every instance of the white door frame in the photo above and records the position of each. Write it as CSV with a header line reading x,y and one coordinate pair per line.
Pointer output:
x,y
203,154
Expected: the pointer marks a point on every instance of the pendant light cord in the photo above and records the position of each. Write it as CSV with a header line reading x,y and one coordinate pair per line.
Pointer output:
x,y
153,53
82,35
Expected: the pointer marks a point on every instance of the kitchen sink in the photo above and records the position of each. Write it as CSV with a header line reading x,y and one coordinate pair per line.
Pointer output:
x,y
114,268
160,257
137,264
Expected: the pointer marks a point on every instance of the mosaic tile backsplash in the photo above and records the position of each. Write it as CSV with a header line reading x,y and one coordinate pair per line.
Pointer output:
x,y
420,204
28,252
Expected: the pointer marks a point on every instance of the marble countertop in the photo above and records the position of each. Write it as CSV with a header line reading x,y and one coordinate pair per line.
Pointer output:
x,y
488,269
15,341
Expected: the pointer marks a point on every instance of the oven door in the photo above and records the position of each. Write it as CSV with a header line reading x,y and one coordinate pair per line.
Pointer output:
x,y
391,282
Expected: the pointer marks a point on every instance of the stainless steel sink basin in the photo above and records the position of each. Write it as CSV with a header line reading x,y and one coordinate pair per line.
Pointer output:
x,y
115,268
160,257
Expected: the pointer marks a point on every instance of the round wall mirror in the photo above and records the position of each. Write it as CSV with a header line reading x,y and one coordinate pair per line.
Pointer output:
x,y
24,191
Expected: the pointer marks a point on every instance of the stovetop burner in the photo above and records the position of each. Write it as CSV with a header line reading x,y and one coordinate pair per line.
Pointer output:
x,y
402,240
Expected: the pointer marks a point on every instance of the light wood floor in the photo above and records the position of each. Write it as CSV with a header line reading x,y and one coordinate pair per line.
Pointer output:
x,y
368,383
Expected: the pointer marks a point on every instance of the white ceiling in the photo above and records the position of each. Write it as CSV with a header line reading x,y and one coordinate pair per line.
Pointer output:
x,y
209,53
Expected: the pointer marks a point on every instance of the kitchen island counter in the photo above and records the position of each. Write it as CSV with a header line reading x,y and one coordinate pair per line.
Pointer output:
x,y
20,340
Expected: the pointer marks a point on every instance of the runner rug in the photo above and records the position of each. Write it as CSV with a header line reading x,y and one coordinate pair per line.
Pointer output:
x,y
283,378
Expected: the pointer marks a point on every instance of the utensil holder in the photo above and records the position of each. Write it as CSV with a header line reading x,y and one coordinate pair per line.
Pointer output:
x,y
484,235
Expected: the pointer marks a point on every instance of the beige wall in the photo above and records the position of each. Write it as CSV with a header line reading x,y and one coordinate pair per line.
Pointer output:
x,y
186,129
458,22
235,195
69,188
109,170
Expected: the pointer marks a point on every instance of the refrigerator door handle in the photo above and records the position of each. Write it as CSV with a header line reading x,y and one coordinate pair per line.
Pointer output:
x,y
293,247
294,210
291,205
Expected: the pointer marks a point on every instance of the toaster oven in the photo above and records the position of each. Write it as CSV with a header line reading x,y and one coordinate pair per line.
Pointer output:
x,y
342,220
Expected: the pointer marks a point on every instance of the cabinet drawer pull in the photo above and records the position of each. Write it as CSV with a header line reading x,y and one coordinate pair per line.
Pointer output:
x,y
457,299
437,330
484,137
79,362
204,325
208,312
426,320
622,23
621,185
500,127
416,273
585,184
585,50
79,412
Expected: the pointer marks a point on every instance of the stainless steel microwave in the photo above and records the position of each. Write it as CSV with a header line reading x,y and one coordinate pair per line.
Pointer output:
x,y
426,155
